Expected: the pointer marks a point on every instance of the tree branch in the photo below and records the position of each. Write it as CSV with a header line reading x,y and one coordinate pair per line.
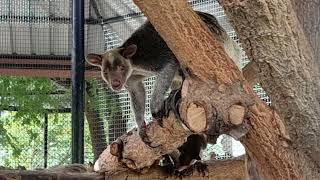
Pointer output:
x,y
236,169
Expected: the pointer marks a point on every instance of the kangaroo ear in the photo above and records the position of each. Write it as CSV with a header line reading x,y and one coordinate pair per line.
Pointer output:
x,y
94,59
129,51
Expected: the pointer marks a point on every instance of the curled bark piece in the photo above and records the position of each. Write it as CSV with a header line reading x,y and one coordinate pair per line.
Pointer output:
x,y
250,73
239,131
107,161
116,148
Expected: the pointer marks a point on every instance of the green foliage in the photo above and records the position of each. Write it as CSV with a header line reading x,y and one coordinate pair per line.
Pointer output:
x,y
59,139
21,132
21,144
30,95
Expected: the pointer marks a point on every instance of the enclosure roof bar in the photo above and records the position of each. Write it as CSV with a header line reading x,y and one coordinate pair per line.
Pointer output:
x,y
32,44
67,20
32,66
122,18
50,30
14,108
49,73
57,92
12,45
94,5
34,56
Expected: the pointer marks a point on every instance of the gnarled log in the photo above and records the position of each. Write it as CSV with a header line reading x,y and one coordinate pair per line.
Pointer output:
x,y
236,169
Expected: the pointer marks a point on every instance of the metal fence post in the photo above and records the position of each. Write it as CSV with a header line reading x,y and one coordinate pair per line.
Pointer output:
x,y
78,68
45,141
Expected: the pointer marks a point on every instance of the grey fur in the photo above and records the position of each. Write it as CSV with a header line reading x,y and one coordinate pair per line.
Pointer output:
x,y
154,57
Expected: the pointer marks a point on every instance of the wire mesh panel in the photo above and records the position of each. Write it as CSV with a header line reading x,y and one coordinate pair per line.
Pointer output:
x,y
35,49
35,71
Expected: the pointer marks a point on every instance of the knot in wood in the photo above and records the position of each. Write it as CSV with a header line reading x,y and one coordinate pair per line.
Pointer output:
x,y
236,114
196,119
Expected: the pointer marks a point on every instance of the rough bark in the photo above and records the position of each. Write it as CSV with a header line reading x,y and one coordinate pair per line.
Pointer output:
x,y
236,169
275,40
135,154
308,14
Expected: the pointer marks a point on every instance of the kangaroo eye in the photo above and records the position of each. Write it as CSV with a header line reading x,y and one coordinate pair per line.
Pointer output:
x,y
122,68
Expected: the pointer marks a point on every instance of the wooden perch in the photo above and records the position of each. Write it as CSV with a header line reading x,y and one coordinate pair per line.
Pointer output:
x,y
236,169
132,152
217,168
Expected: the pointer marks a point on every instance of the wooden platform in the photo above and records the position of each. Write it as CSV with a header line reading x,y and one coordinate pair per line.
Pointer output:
x,y
68,172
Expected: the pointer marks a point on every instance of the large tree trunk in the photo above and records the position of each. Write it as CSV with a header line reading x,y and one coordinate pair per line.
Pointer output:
x,y
216,98
275,40
308,13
